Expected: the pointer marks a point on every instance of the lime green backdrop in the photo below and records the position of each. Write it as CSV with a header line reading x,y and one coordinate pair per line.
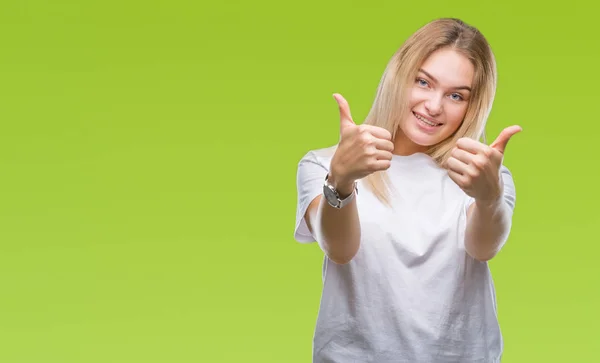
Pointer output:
x,y
148,160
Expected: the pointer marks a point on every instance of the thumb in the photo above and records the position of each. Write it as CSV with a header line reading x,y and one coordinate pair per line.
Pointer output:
x,y
345,115
502,139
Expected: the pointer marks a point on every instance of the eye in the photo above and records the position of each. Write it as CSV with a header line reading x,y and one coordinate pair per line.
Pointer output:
x,y
422,82
456,97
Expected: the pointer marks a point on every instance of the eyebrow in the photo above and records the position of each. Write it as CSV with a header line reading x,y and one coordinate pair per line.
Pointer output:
x,y
436,81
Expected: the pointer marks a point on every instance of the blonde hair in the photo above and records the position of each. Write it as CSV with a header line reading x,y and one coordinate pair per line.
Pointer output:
x,y
401,71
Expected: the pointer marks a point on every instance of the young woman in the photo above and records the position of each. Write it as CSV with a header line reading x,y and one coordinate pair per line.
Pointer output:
x,y
408,208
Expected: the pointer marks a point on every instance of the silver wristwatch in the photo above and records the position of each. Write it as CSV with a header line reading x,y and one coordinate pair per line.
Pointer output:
x,y
333,197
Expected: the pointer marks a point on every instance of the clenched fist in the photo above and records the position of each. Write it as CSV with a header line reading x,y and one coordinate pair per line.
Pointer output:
x,y
475,167
362,150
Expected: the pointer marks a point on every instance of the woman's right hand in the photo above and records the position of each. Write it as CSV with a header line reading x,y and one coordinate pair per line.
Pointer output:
x,y
362,150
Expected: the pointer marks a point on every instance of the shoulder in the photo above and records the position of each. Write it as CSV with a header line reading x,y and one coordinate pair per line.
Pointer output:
x,y
321,157
313,166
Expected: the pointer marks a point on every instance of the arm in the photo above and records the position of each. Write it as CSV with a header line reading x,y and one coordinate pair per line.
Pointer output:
x,y
477,169
336,230
362,150
488,227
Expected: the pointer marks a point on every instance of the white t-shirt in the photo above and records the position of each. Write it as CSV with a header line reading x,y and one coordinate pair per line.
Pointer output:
x,y
412,293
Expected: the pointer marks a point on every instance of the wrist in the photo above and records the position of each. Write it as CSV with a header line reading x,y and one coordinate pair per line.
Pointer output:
x,y
342,185
489,204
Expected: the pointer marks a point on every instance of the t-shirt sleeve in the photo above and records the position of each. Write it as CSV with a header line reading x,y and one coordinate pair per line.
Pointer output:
x,y
510,195
309,181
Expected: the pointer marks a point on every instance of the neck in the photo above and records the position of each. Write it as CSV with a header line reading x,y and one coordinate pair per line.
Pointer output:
x,y
403,146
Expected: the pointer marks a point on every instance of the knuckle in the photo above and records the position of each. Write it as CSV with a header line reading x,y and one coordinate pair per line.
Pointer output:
x,y
365,138
372,165
468,177
473,174
488,151
370,151
460,180
478,164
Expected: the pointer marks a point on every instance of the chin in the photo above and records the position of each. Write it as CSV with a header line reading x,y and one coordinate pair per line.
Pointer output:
x,y
423,139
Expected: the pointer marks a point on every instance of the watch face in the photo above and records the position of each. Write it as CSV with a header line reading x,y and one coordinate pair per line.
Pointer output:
x,y
330,196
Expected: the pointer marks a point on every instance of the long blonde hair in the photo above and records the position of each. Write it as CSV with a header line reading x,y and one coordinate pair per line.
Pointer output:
x,y
401,71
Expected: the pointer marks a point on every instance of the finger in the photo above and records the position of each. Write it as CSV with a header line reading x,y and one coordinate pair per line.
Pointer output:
x,y
378,132
382,144
502,139
379,165
383,155
345,115
457,166
458,178
462,155
472,146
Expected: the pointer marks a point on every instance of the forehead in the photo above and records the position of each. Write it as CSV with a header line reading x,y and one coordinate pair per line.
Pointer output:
x,y
449,68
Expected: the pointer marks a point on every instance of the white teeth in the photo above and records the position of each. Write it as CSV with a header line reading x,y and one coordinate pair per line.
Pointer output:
x,y
426,121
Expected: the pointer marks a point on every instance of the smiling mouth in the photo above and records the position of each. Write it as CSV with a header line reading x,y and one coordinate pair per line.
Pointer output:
x,y
426,121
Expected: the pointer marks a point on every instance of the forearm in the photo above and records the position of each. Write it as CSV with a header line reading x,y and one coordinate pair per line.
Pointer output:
x,y
338,231
488,227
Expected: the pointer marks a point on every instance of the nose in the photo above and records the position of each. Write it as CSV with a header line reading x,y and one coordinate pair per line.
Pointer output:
x,y
434,105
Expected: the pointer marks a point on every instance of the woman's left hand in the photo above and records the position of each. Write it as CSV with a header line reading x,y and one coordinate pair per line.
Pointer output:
x,y
475,167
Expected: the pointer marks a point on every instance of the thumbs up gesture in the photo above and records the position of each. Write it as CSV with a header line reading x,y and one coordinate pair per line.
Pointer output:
x,y
475,167
362,149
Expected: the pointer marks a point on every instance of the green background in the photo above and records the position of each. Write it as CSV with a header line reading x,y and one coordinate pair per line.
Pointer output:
x,y
148,161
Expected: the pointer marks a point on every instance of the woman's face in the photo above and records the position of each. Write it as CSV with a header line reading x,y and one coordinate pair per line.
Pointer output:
x,y
438,101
